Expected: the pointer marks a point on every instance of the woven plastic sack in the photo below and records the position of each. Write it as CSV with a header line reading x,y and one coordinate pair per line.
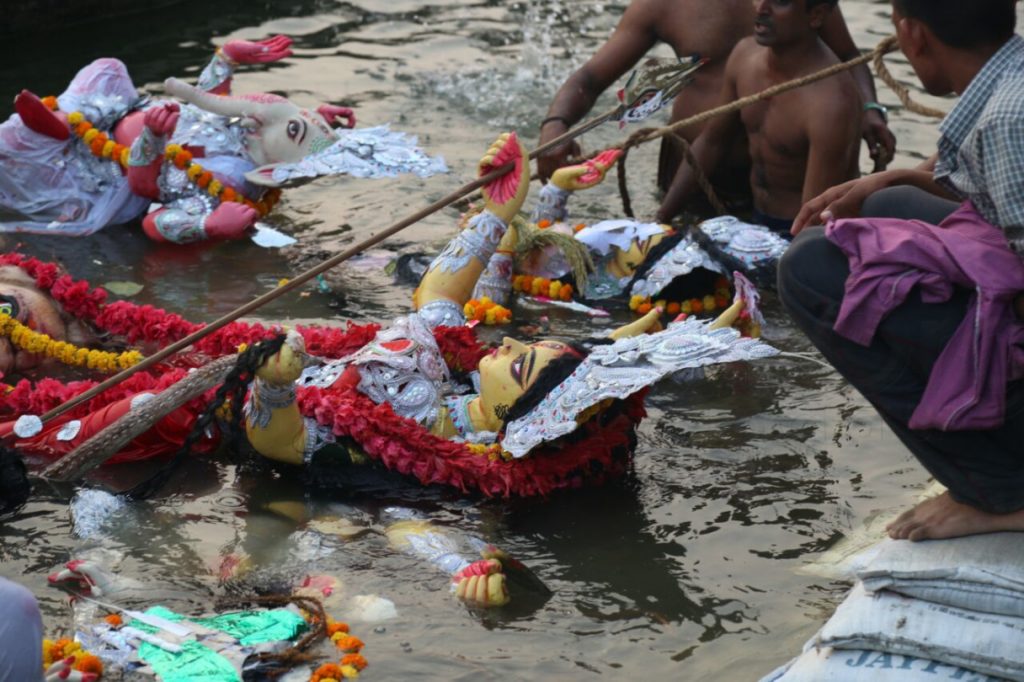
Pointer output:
x,y
982,573
989,644
850,665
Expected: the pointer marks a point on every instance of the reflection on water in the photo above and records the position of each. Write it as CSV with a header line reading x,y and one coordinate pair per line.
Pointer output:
x,y
685,569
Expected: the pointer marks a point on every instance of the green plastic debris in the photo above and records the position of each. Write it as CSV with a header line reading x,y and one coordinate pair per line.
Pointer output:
x,y
195,663
198,662
251,628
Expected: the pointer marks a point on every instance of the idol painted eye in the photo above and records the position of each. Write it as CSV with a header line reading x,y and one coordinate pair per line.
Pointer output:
x,y
9,306
293,129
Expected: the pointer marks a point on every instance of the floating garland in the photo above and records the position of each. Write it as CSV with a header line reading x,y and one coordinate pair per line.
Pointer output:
x,y
352,662
642,305
542,286
67,353
103,147
487,311
63,649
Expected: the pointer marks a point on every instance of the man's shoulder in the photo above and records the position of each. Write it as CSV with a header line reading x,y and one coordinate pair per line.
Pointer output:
x,y
1007,100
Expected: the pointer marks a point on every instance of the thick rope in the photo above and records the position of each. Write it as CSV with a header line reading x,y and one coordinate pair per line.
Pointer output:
x,y
105,444
901,90
638,138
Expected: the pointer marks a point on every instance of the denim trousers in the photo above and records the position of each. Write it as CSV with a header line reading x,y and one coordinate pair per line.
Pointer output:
x,y
984,469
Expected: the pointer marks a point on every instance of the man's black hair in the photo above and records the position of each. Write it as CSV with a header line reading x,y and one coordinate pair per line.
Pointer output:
x,y
964,24
554,373
812,3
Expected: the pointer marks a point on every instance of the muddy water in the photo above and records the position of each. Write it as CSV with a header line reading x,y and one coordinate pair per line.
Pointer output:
x,y
686,570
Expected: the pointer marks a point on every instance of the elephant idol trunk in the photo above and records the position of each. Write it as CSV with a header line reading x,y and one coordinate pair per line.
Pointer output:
x,y
221,105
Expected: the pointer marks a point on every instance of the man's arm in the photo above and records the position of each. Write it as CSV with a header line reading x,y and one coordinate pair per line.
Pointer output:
x,y
710,147
635,34
875,129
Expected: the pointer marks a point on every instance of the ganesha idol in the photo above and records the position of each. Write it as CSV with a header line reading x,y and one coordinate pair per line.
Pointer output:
x,y
624,261
102,154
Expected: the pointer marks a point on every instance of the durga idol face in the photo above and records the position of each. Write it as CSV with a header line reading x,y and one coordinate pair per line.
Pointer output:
x,y
21,300
509,370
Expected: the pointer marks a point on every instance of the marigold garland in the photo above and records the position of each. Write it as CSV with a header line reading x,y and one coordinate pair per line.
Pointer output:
x,y
105,148
65,648
487,311
542,286
67,353
642,305
352,662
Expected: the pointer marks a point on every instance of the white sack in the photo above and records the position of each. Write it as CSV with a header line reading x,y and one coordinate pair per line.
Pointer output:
x,y
850,665
982,573
889,622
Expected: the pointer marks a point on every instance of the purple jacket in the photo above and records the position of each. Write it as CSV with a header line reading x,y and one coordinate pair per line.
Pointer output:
x,y
889,257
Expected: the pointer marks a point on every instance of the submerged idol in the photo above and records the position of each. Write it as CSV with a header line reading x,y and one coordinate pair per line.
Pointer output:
x,y
101,153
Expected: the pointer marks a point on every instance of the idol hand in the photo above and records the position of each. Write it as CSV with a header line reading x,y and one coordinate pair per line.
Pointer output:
x,y
482,584
651,322
504,196
588,174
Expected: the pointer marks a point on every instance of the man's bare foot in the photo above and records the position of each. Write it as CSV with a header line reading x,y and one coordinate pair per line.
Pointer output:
x,y
943,517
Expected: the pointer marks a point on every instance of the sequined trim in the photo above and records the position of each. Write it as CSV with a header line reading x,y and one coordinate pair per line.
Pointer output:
x,y
145,149
551,204
183,220
263,399
317,436
496,281
216,73
442,313
479,240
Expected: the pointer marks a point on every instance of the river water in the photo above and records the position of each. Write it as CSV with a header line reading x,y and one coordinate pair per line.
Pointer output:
x,y
688,569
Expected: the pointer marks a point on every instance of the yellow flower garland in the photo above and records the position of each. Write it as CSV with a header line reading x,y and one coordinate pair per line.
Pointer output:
x,y
68,353
487,311
102,146
542,286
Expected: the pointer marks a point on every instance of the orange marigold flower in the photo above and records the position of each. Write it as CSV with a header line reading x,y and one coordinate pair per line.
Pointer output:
x,y
114,620
348,643
696,307
50,102
82,128
182,158
579,227
543,223
334,627
228,194
644,308
328,671
88,663
565,293
722,301
355,660
96,146
204,179
673,308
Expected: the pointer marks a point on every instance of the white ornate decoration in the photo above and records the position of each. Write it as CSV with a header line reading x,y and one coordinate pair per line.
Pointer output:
x,y
750,244
623,368
364,153
682,259
602,236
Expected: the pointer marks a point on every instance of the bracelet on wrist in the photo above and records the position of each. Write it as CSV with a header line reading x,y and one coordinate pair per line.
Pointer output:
x,y
549,119
875,106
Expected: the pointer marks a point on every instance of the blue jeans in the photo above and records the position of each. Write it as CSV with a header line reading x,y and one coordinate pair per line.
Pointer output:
x,y
984,469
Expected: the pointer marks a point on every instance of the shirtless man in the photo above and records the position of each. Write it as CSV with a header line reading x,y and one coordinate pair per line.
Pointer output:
x,y
800,142
710,28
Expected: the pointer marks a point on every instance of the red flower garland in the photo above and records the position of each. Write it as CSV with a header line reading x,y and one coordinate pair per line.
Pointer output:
x,y
402,445
398,443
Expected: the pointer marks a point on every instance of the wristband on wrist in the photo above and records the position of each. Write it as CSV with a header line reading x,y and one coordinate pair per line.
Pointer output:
x,y
549,119
884,111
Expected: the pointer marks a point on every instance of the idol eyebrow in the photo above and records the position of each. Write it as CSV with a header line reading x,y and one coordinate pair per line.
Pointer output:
x,y
532,360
